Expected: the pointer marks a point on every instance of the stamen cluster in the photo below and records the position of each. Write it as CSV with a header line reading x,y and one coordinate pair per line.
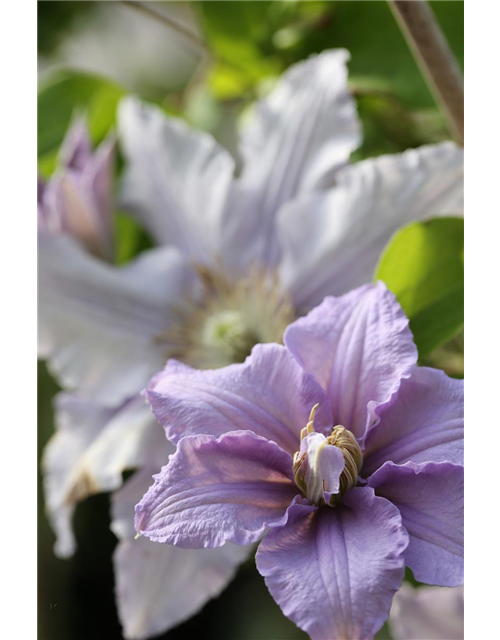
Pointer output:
x,y
310,463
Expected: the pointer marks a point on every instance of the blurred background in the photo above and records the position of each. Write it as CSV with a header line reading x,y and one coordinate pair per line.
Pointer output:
x,y
206,62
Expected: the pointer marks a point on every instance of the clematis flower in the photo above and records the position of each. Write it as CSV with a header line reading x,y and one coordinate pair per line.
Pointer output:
x,y
78,199
427,613
239,259
336,449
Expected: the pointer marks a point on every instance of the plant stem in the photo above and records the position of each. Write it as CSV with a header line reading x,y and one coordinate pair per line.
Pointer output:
x,y
435,59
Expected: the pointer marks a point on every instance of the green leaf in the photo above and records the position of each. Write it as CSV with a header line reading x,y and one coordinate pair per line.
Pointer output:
x,y
237,30
131,238
240,36
64,94
423,266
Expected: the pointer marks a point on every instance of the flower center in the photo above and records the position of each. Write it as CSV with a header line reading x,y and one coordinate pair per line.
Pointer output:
x,y
316,464
226,332
228,318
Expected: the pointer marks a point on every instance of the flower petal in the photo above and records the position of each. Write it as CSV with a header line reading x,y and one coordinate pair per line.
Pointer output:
x,y
124,500
359,348
90,450
99,325
301,134
427,613
334,572
131,439
159,585
332,241
176,180
218,490
70,208
268,394
59,458
97,179
424,422
430,498
76,149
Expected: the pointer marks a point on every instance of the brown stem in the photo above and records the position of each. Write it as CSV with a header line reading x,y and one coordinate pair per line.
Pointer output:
x,y
435,59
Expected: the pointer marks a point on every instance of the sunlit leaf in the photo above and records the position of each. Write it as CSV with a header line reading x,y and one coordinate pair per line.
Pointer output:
x,y
423,266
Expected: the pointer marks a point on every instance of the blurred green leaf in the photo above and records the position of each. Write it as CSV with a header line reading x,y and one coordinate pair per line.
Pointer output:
x,y
240,36
64,94
449,357
388,127
227,83
236,28
423,266
130,238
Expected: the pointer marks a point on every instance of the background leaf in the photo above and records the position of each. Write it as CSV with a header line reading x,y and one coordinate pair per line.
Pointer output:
x,y
423,266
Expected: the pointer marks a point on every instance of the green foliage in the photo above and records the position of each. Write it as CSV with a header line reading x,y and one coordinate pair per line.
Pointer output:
x,y
423,266
239,30
130,238
256,39
389,127
60,98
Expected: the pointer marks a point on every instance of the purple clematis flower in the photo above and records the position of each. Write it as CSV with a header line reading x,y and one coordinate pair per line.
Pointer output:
x,y
239,258
337,448
77,200
427,613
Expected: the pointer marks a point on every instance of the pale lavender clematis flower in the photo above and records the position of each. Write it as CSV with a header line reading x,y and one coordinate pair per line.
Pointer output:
x,y
78,198
93,443
250,253
427,613
96,442
337,448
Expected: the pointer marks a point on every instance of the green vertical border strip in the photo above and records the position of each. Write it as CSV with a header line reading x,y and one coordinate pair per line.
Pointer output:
x,y
482,229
